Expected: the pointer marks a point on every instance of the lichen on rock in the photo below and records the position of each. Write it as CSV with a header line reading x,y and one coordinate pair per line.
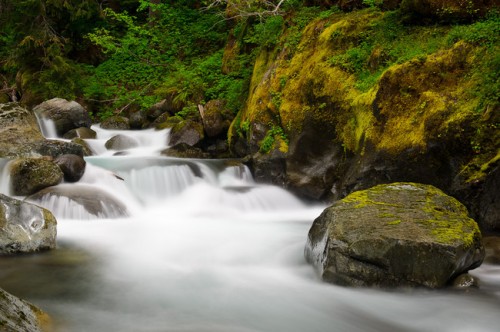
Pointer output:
x,y
395,235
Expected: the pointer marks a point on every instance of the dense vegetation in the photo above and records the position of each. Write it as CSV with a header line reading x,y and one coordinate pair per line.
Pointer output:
x,y
121,55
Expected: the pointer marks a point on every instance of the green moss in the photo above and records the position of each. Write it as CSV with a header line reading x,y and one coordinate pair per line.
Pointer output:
x,y
395,222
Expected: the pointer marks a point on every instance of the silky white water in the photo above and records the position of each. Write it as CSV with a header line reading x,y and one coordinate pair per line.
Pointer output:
x,y
207,249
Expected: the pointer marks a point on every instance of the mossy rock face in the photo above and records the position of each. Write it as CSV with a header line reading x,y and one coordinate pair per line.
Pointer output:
x,y
66,114
19,315
25,227
18,126
29,175
116,122
395,235
449,10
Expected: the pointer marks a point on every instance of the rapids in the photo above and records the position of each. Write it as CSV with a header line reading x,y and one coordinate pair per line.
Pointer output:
x,y
204,248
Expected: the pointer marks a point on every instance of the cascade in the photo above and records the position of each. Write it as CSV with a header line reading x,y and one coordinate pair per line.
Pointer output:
x,y
197,245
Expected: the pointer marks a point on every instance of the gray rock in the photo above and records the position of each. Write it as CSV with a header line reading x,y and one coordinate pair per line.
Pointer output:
x,y
66,115
28,175
187,131
18,126
401,234
116,122
19,315
85,202
25,227
82,132
216,118
121,142
72,166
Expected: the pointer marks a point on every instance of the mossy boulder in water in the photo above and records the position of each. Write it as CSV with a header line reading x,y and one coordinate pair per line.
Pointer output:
x,y
28,175
187,131
395,235
25,227
216,118
66,114
121,142
19,315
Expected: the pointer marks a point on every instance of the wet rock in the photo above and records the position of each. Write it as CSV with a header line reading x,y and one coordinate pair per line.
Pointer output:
x,y
54,148
187,131
19,315
83,202
72,166
28,175
116,122
66,114
138,120
216,118
82,132
18,126
396,235
121,142
25,227
492,246
87,151
184,150
465,281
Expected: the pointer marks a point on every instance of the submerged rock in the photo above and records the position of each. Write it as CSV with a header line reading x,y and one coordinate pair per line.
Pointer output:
x,y
401,234
28,175
80,202
25,227
66,114
19,315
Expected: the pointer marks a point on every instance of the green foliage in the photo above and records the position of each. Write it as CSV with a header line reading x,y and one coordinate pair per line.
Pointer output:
x,y
267,32
484,33
267,143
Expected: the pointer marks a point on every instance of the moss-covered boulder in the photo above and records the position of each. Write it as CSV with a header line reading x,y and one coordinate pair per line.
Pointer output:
x,y
116,122
72,166
18,126
52,148
186,131
395,235
28,175
66,114
25,227
184,150
19,315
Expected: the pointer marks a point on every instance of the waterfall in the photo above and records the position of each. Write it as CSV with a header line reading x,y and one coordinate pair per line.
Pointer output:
x,y
47,127
4,177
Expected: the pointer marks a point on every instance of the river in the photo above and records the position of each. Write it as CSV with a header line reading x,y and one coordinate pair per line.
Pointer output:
x,y
204,248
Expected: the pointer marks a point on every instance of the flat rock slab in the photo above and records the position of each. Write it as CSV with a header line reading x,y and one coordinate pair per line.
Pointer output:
x,y
395,235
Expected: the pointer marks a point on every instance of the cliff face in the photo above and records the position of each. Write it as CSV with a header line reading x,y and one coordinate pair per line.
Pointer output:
x,y
367,97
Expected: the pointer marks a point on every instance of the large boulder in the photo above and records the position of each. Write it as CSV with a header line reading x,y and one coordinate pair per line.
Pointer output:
x,y
66,114
25,227
72,166
19,315
400,234
82,132
28,175
18,126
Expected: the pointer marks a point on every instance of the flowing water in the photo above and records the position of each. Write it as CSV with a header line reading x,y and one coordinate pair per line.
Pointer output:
x,y
201,247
